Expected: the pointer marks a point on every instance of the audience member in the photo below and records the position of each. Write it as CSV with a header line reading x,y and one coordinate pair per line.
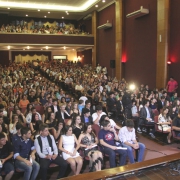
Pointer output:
x,y
128,137
107,137
48,152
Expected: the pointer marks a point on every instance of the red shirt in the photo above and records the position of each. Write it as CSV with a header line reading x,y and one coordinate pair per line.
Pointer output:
x,y
172,85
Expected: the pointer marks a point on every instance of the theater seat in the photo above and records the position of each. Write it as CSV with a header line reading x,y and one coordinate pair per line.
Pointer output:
x,y
40,109
19,170
53,165
96,128
155,112
175,137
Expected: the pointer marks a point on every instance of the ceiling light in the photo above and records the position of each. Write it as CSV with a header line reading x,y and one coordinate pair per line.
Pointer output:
x,y
73,49
62,17
96,5
41,49
64,47
27,47
67,13
85,6
23,49
26,14
9,47
39,10
8,8
48,12
45,16
103,1
47,47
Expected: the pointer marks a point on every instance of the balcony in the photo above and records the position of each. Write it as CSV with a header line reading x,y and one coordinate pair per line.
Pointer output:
x,y
55,39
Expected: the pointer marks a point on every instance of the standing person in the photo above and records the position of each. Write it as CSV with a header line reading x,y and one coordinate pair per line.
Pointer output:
x,y
171,87
107,137
111,105
69,152
128,137
47,151
6,154
24,155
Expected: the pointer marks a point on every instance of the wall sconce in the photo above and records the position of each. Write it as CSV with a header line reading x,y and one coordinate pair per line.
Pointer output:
x,y
169,62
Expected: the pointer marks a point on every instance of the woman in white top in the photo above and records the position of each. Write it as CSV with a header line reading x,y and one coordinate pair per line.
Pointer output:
x,y
12,126
164,120
69,152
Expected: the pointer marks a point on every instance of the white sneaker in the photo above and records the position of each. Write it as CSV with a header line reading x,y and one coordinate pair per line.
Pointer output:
x,y
152,135
139,130
144,130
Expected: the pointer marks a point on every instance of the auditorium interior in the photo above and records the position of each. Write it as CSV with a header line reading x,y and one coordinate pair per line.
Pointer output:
x,y
136,40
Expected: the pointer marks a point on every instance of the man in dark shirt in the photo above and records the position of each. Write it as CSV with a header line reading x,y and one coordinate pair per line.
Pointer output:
x,y
88,106
32,97
24,155
18,134
107,137
6,154
176,124
86,116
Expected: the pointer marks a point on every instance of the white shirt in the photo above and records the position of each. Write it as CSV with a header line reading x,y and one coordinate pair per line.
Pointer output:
x,y
100,89
113,124
134,110
126,136
95,116
84,98
12,131
55,109
78,87
148,114
29,117
162,119
45,147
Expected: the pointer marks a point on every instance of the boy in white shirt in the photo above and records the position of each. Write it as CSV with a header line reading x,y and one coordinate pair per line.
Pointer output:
x,y
128,138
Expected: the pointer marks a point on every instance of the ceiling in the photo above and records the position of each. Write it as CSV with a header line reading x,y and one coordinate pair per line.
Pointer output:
x,y
77,9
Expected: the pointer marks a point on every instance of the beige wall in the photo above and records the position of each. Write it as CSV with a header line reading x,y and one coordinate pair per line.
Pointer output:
x,y
71,55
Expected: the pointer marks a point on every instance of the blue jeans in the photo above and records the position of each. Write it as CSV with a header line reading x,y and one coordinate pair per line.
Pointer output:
x,y
30,172
131,153
112,156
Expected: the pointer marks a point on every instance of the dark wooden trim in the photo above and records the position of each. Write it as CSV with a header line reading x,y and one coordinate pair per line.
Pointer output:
x,y
124,169
46,39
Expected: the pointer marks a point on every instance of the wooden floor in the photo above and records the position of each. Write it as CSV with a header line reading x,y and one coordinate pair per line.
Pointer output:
x,y
156,173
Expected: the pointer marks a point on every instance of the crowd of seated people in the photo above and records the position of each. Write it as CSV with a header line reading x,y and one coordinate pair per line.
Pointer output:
x,y
43,115
43,29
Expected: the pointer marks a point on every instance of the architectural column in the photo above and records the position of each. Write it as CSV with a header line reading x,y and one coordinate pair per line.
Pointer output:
x,y
94,32
118,38
162,42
